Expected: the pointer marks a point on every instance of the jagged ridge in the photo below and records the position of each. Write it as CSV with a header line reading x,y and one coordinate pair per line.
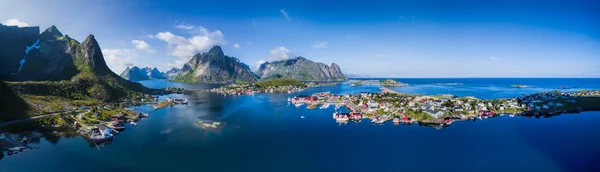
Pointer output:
x,y
214,67
302,69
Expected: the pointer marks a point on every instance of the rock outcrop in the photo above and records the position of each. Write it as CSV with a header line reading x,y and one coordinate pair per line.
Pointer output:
x,y
214,67
301,69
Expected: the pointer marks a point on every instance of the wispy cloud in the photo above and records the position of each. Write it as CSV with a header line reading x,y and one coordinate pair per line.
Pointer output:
x,y
322,44
236,46
202,40
15,22
281,53
493,58
285,14
258,63
401,17
184,27
119,59
142,45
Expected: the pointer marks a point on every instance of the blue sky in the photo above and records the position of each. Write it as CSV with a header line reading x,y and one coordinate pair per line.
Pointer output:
x,y
371,38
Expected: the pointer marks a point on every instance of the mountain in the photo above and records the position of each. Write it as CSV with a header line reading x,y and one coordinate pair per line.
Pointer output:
x,y
51,64
214,67
171,73
136,74
302,69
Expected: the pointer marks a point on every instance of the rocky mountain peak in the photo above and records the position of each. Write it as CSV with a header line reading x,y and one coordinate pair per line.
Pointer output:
x,y
217,51
54,30
302,69
51,33
92,54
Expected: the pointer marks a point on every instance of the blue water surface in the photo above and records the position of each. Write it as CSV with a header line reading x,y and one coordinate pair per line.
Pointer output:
x,y
263,132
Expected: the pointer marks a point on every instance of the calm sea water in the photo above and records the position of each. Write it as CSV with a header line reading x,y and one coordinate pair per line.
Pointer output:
x,y
264,133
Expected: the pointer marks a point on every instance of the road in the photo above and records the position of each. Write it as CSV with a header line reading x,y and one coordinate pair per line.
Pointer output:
x,y
37,117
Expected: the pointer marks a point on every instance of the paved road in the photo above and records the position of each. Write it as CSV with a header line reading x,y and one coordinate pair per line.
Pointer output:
x,y
36,117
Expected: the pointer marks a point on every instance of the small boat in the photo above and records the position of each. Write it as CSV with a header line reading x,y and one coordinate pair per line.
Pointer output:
x,y
325,106
132,123
118,125
352,85
289,100
511,115
101,133
479,117
298,104
302,117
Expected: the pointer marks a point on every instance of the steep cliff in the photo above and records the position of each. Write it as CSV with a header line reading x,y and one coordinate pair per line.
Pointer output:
x,y
54,64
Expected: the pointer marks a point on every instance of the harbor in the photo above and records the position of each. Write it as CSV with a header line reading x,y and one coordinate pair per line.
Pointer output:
x,y
390,105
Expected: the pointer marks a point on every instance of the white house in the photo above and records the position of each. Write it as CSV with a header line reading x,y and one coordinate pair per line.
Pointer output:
x,y
501,107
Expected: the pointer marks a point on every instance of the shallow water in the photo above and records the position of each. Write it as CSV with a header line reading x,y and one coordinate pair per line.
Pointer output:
x,y
264,133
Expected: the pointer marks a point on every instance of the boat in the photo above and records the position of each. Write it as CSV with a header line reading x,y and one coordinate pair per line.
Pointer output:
x,y
289,100
118,125
132,123
325,106
479,117
352,85
298,104
302,117
511,115
337,106
101,133
341,117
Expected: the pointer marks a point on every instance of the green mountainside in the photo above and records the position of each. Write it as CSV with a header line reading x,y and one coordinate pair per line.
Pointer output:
x,y
214,67
60,75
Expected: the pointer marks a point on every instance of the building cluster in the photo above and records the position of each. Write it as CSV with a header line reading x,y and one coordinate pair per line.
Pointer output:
x,y
240,89
383,106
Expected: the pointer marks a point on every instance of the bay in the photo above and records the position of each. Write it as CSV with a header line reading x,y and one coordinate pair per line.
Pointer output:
x,y
263,132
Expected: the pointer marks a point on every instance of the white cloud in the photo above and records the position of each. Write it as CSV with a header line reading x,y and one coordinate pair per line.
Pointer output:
x,y
236,45
285,14
118,59
15,22
187,47
260,62
493,58
184,27
380,55
142,45
281,53
320,44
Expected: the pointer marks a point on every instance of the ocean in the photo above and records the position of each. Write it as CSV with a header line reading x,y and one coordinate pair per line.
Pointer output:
x,y
263,132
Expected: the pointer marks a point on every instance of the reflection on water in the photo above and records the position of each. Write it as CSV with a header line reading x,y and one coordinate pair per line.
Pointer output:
x,y
264,133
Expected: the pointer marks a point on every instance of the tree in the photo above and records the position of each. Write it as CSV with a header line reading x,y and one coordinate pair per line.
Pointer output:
x,y
449,103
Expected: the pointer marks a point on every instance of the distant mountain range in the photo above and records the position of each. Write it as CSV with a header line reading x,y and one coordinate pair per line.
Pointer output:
x,y
138,74
302,69
215,67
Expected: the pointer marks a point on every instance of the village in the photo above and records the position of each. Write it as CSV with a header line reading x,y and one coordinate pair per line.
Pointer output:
x,y
389,105
282,85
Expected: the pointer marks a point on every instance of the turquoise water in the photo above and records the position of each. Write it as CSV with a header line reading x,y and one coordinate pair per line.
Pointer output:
x,y
264,133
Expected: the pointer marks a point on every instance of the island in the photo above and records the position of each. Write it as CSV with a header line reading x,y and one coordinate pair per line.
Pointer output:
x,y
268,86
442,110
521,86
392,83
